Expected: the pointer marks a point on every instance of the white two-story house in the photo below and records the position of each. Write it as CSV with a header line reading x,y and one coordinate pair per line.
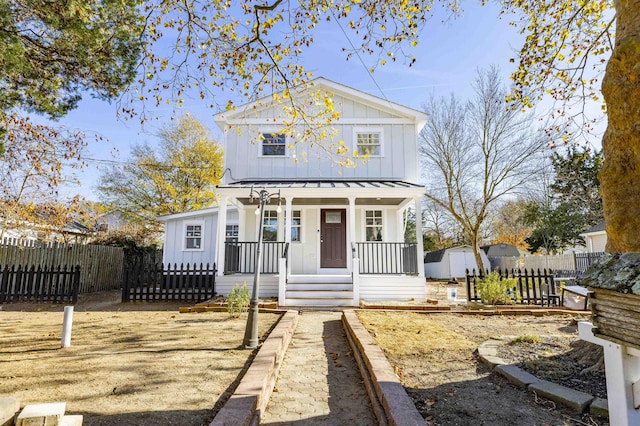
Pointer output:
x,y
332,235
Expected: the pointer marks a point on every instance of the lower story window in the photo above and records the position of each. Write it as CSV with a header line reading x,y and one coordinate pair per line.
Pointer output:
x,y
373,225
193,237
231,233
270,226
296,225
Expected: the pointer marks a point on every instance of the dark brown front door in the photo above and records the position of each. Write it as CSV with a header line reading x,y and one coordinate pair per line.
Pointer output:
x,y
333,238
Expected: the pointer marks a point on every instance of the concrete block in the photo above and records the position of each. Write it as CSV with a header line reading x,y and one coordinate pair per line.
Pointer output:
x,y
516,375
237,411
599,407
74,420
577,400
42,414
8,409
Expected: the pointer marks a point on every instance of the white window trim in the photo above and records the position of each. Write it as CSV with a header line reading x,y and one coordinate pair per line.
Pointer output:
x,y
231,224
364,223
378,130
301,240
278,224
277,131
184,235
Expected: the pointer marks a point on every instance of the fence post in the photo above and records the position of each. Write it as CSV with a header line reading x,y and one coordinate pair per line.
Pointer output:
x,y
76,284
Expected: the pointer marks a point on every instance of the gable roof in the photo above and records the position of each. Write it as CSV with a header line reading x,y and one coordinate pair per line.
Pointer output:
x,y
418,117
598,227
437,255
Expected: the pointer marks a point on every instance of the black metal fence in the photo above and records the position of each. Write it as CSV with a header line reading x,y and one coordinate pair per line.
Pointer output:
x,y
381,258
532,287
156,283
59,284
240,257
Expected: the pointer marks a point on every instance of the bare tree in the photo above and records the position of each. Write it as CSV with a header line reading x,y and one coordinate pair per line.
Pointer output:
x,y
476,152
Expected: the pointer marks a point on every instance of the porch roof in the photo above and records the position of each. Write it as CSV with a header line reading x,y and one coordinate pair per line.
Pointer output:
x,y
322,184
331,191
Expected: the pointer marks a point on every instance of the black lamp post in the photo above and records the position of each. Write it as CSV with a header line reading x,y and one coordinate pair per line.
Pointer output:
x,y
251,331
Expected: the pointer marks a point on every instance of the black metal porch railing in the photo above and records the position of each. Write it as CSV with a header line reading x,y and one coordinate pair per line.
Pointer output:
x,y
240,256
381,258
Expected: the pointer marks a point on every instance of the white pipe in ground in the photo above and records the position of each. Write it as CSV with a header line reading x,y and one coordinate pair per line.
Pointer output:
x,y
66,326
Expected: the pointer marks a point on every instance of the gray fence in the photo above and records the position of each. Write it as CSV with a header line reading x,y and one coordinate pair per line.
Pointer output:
x,y
565,262
101,267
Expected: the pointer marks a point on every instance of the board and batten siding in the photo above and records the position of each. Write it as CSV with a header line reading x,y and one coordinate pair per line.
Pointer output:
x,y
399,139
174,251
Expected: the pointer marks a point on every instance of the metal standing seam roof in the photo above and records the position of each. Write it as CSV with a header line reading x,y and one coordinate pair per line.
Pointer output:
x,y
323,184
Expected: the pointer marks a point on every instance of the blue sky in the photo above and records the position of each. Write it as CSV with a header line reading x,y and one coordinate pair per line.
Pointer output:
x,y
448,56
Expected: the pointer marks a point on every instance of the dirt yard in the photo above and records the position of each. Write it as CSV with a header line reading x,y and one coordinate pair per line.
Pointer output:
x,y
128,364
435,357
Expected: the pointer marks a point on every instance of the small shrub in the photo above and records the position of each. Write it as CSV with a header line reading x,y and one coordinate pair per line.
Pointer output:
x,y
527,338
238,301
495,291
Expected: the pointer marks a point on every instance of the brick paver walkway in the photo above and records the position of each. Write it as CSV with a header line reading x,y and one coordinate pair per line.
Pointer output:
x,y
319,382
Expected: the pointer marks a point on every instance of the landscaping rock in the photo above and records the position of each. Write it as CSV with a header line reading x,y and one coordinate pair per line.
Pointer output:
x,y
516,375
577,400
599,407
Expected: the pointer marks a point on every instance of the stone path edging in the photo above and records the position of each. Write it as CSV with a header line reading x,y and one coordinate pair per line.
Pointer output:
x,y
252,394
399,409
579,401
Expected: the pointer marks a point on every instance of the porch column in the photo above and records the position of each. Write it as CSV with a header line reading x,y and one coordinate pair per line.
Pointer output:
x,y
288,214
351,223
288,208
221,234
418,206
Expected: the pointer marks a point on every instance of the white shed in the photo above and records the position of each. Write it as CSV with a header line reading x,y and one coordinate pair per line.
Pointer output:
x,y
452,262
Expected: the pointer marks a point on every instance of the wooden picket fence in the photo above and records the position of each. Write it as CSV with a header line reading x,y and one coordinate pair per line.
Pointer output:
x,y
101,267
59,284
156,283
532,287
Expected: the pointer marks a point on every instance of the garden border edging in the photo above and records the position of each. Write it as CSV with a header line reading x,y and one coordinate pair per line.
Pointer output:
x,y
579,401
251,397
382,384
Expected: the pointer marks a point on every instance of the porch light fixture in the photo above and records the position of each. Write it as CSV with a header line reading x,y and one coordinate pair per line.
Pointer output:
x,y
251,331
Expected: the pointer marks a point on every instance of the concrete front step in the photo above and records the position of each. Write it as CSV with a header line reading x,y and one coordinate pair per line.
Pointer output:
x,y
318,302
319,286
319,279
319,294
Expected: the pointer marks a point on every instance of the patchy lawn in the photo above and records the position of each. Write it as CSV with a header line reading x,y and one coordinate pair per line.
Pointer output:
x,y
128,364
435,358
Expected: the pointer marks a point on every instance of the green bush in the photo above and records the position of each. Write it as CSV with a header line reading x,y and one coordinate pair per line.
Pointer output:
x,y
495,291
238,301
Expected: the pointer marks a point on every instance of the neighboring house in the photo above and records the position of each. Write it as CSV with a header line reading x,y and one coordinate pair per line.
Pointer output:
x,y
501,250
595,238
452,262
336,234
21,232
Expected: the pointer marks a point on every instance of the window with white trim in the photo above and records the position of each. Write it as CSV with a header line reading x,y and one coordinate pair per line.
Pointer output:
x,y
270,226
193,236
369,143
373,225
274,144
296,225
231,233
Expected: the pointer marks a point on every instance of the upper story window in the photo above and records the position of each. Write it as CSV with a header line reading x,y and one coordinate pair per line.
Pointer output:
x,y
274,144
193,236
373,225
368,142
270,226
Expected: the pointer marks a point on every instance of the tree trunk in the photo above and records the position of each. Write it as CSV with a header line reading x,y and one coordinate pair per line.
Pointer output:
x,y
620,175
476,254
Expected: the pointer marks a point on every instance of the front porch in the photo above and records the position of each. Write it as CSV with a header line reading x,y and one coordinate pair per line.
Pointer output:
x,y
373,264
335,243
